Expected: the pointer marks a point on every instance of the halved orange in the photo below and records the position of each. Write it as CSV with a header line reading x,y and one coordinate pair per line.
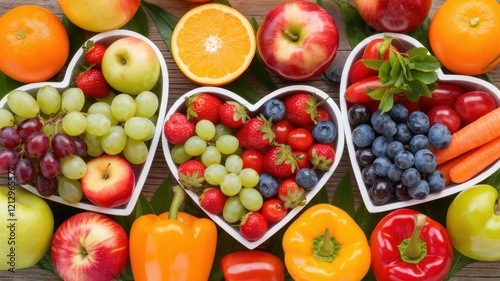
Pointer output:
x,y
213,44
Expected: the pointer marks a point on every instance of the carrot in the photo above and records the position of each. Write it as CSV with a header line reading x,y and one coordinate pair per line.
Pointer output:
x,y
476,162
475,134
445,167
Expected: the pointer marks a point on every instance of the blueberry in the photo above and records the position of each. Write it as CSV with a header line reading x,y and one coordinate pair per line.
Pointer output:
x,y
381,191
365,156
368,175
379,146
403,133
439,136
306,178
436,181
393,148
420,190
418,122
401,192
378,120
410,177
399,113
425,161
394,173
274,108
404,159
380,166
363,135
359,114
418,142
268,186
324,131
389,129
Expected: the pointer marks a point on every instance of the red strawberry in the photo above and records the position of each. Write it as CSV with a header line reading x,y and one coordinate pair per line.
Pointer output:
x,y
253,226
178,128
300,109
321,156
212,200
203,106
93,53
191,174
255,134
233,114
279,162
92,83
291,193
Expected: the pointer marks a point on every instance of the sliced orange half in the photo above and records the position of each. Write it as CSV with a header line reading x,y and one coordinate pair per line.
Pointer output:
x,y
213,44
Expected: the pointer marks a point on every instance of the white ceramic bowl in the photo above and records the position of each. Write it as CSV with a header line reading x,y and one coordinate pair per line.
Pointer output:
x,y
468,83
141,171
329,105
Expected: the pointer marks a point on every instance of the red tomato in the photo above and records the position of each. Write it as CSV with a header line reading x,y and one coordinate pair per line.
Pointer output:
x,y
444,94
359,70
300,139
373,51
412,106
322,114
281,129
302,161
273,210
357,92
253,159
473,105
445,115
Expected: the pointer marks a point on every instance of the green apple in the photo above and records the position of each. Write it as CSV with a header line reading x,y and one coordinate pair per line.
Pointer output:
x,y
131,65
26,228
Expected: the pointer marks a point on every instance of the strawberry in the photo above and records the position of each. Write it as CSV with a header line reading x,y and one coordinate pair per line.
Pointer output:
x,y
253,226
178,128
191,174
92,83
93,53
279,162
233,114
212,200
203,106
256,134
321,156
300,109
291,193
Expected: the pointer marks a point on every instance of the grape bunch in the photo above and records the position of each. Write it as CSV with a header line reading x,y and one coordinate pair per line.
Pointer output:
x,y
46,139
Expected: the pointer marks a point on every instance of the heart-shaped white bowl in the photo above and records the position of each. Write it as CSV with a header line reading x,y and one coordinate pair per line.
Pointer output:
x,y
468,83
161,90
253,109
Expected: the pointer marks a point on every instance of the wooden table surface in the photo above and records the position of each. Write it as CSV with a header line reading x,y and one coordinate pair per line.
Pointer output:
x,y
179,84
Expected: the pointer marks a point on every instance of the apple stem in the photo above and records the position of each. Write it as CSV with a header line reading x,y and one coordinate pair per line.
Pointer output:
x,y
177,201
291,35
105,175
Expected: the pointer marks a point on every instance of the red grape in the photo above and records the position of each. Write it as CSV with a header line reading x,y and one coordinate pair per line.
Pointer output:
x,y
80,145
9,137
24,172
8,160
49,165
45,186
28,127
63,145
37,144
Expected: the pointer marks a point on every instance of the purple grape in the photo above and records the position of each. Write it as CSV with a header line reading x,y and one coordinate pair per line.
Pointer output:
x,y
9,137
49,165
8,160
63,145
45,186
37,144
81,146
28,127
24,172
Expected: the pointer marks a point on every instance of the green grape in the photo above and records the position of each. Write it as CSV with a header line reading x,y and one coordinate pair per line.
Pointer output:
x,y
72,99
221,130
69,190
74,123
18,119
233,209
230,184
227,144
49,99
210,156
73,167
152,130
147,104
154,119
123,107
108,99
104,108
233,164
214,174
94,147
137,128
251,198
249,177
114,141
135,151
179,155
6,118
98,124
195,146
205,129
49,128
22,104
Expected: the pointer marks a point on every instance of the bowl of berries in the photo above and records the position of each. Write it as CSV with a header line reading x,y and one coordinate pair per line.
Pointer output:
x,y
414,133
252,167
85,144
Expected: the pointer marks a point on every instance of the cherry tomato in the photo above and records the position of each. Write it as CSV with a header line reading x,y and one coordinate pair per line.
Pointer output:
x,y
273,210
253,159
411,106
373,51
473,105
359,70
357,92
300,139
444,94
322,114
445,115
281,129
301,157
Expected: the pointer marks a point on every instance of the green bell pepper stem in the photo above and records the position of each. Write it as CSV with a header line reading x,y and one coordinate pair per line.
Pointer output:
x,y
413,249
177,201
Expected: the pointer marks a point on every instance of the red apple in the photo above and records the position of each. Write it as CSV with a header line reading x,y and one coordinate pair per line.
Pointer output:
x,y
109,181
297,40
89,246
400,16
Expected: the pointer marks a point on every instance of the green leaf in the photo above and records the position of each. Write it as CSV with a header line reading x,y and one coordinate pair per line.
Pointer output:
x,y
259,70
162,198
142,207
244,88
164,21
378,93
76,37
417,52
494,180
418,87
425,78
459,261
343,196
356,29
373,64
46,264
366,220
387,101
424,63
139,22
421,33
7,84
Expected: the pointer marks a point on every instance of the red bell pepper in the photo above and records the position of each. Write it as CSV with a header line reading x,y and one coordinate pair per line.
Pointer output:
x,y
407,245
252,265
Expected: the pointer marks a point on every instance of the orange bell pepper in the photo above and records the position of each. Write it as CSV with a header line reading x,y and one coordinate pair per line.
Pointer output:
x,y
173,245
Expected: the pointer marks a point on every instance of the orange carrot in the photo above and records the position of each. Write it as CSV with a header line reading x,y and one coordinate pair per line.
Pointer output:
x,y
477,133
476,162
445,167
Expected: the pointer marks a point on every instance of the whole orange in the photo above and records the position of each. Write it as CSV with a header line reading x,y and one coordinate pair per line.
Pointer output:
x,y
34,44
465,35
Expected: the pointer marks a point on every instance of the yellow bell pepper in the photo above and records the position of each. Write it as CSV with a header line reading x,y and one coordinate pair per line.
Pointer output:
x,y
173,245
325,243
